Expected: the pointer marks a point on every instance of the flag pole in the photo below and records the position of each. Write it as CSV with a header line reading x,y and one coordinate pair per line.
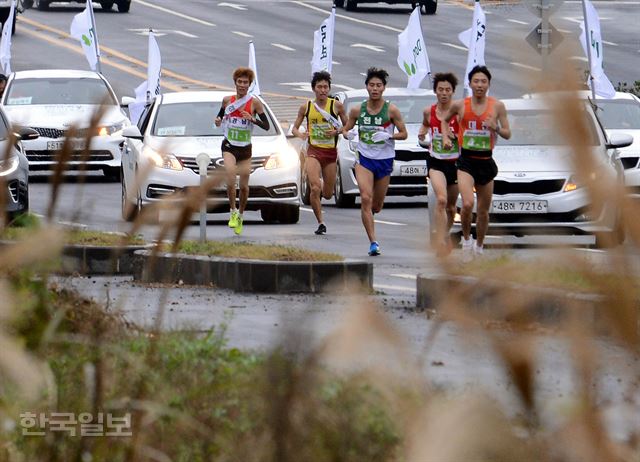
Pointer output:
x,y
95,37
333,27
148,56
588,47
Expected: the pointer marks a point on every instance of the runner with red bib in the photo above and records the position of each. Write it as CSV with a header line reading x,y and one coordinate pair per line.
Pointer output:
x,y
482,119
441,163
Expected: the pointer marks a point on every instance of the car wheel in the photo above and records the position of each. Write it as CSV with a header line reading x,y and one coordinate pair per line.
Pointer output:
x,y
288,214
106,5
351,5
339,3
129,210
112,173
42,5
342,200
305,188
149,214
428,6
124,6
27,4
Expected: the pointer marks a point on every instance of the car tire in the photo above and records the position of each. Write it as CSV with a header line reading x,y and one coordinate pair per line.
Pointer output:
x,y
124,6
428,6
129,209
150,215
107,6
27,4
42,5
342,200
305,189
288,214
113,173
351,5
339,3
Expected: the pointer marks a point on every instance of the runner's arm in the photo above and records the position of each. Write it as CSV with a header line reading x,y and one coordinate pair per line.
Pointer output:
x,y
504,130
351,122
296,125
454,110
424,128
339,110
258,109
223,106
396,118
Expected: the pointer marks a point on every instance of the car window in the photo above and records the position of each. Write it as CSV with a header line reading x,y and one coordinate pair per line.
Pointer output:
x,y
4,130
411,107
616,114
539,128
143,121
196,119
58,91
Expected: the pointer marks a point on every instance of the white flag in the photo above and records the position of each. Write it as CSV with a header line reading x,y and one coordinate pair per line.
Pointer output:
x,y
412,51
83,28
254,89
5,41
602,85
323,45
474,40
150,88
135,109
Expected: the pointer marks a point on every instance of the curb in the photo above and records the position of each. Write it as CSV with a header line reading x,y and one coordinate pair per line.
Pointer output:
x,y
252,275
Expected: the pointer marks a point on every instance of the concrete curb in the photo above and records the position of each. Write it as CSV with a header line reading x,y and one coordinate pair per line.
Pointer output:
x,y
252,275
488,297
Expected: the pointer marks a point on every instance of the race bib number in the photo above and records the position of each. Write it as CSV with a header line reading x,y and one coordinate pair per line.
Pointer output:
x,y
242,135
478,140
436,144
319,134
365,136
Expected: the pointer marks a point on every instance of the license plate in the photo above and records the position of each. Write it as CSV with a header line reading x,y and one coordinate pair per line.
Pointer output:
x,y
410,170
519,207
76,145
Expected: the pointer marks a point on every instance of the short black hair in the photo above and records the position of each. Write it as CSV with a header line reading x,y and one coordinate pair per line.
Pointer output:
x,y
318,76
445,77
3,78
477,69
376,72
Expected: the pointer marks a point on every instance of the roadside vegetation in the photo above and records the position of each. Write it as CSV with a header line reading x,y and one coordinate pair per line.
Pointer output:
x,y
253,251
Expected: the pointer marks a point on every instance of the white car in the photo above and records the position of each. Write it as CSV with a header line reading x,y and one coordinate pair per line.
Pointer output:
x,y
409,176
536,190
161,158
52,101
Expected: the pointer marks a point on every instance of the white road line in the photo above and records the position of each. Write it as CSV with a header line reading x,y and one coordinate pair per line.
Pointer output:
x,y
284,47
525,66
578,58
392,287
413,277
241,34
564,31
306,209
175,13
607,2
348,18
453,45
518,22
368,47
235,6
392,223
610,43
578,20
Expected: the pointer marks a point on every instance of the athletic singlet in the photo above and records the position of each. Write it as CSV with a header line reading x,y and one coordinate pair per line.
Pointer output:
x,y
236,129
437,150
317,126
368,124
473,134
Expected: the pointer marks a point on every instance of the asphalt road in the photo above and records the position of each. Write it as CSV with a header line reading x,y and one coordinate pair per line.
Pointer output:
x,y
202,42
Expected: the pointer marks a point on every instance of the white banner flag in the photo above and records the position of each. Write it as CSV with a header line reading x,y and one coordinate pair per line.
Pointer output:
x,y
83,28
150,88
254,89
601,83
412,51
474,40
5,41
323,45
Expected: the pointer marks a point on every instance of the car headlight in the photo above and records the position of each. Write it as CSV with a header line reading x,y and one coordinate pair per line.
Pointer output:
x,y
286,158
162,160
574,182
9,165
107,130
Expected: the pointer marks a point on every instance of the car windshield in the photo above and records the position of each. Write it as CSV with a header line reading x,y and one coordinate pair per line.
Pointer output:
x,y
58,91
411,107
616,114
196,119
539,128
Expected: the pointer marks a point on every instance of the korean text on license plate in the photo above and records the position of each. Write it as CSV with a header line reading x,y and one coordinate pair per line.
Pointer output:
x,y
532,206
76,145
410,170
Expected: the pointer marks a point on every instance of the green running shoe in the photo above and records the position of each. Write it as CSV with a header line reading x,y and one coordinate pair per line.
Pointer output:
x,y
233,220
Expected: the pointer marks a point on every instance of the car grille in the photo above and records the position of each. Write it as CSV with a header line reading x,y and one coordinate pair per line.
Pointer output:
x,y
214,164
13,190
629,162
501,187
50,132
405,156
76,156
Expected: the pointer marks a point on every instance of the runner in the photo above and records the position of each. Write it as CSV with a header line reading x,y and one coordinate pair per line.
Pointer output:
x,y
482,118
376,119
440,162
325,119
237,118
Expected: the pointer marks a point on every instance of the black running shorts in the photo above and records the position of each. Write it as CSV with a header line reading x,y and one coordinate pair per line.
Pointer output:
x,y
483,171
448,167
241,153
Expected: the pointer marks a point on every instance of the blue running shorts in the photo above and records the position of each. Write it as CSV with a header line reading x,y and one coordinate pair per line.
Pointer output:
x,y
379,167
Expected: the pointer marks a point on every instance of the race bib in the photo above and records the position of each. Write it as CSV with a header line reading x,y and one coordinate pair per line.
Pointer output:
x,y
477,140
436,145
319,133
242,135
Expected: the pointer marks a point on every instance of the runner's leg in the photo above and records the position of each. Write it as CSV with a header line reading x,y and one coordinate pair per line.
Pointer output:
x,y
452,199
380,187
329,179
465,185
365,185
244,170
230,178
439,184
313,170
484,194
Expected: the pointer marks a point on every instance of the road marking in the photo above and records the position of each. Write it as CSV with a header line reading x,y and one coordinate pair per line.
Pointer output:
x,y
235,6
284,47
578,58
349,18
343,87
453,45
525,66
610,43
368,47
162,32
392,223
241,34
564,31
175,13
578,20
516,21
301,86
392,287
306,209
413,277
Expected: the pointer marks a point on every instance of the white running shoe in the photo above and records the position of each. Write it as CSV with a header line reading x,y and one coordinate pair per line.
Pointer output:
x,y
468,246
478,250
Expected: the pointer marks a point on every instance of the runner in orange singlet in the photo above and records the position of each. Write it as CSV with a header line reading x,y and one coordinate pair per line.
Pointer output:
x,y
482,118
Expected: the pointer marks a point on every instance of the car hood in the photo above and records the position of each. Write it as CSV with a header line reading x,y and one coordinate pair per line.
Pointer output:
x,y
634,149
191,146
533,158
60,116
411,143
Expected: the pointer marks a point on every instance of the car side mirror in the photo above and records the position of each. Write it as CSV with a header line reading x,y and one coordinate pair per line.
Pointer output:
x,y
26,133
126,101
133,132
619,140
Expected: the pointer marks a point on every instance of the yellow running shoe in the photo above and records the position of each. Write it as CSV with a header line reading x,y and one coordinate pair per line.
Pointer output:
x,y
238,228
233,220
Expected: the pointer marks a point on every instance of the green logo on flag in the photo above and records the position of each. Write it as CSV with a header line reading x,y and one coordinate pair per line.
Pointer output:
x,y
86,40
409,69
